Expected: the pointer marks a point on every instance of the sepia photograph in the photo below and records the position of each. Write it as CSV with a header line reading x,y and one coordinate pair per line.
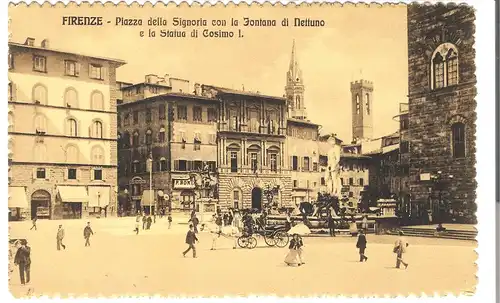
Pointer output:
x,y
223,150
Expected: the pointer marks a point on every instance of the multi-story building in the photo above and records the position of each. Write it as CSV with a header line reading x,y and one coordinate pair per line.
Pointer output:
x,y
177,130
404,162
251,151
63,147
442,116
354,173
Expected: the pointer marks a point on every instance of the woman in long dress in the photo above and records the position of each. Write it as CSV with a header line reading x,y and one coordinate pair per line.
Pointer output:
x,y
294,256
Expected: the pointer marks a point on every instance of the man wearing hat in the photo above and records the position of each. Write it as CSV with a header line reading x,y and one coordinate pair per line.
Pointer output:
x,y
60,237
87,231
23,259
400,248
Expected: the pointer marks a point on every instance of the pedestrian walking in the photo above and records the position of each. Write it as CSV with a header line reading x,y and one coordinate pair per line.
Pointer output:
x,y
191,240
294,256
137,222
87,232
195,222
169,220
60,237
144,222
331,225
400,248
34,223
361,245
23,260
364,224
149,222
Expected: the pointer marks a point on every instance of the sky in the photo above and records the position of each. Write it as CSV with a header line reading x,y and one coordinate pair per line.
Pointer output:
x,y
357,42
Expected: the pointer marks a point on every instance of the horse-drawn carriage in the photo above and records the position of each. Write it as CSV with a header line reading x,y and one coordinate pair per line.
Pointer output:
x,y
274,235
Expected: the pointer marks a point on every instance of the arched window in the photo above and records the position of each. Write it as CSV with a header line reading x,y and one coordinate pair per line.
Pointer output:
x,y
71,127
40,123
163,164
161,135
367,103
298,102
97,155
136,166
149,137
135,139
458,139
40,94
40,152
358,105
11,122
97,100
71,98
96,129
71,154
444,66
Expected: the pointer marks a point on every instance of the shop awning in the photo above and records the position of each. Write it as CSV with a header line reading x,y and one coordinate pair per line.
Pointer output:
x,y
74,194
146,198
99,196
17,197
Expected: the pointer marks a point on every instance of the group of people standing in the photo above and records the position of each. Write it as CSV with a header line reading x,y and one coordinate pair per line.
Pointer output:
x,y
147,221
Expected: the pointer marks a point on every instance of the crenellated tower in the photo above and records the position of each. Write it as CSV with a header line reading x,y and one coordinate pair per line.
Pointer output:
x,y
362,110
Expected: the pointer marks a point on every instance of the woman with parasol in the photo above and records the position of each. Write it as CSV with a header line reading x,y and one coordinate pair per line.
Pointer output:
x,y
294,256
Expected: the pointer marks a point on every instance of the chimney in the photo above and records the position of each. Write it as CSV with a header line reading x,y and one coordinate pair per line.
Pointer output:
x,y
30,41
151,79
45,43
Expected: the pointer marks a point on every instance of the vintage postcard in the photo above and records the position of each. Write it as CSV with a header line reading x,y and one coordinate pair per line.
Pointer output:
x,y
223,150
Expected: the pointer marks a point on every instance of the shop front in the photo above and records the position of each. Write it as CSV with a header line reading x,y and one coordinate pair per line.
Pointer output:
x,y
74,201
18,203
40,204
99,197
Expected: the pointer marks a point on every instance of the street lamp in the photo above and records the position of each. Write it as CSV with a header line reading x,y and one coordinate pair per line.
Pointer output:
x,y
150,166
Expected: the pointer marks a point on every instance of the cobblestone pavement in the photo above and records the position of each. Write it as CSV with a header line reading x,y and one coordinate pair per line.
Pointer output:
x,y
120,263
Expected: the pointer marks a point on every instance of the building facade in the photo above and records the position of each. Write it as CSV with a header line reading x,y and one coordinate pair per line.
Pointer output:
x,y
251,150
62,129
441,112
178,131
354,174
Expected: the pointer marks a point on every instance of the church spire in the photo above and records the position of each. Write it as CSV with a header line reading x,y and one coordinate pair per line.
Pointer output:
x,y
294,73
294,89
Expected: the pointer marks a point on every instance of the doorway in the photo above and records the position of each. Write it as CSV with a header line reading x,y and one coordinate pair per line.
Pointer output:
x,y
257,198
40,204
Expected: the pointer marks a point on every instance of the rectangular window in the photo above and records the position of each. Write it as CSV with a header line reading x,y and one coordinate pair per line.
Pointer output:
x,y
71,68
234,162
11,60
136,117
212,115
361,182
253,161
351,181
341,181
323,181
351,194
197,114
40,173
295,183
274,162
315,166
198,165
295,163
181,112
40,64
72,173
306,164
182,165
161,112
96,71
148,115
97,174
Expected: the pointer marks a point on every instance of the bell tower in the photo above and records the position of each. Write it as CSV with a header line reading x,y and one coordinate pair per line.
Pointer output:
x,y
362,110
294,89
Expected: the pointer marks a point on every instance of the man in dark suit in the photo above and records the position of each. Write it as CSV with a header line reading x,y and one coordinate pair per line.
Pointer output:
x,y
331,225
23,259
87,231
191,240
361,244
60,237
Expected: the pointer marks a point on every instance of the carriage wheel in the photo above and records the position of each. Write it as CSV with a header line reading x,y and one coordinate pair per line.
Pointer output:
x,y
243,241
281,238
252,242
270,240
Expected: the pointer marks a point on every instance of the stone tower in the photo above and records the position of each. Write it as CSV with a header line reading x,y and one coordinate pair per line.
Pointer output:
x,y
294,89
362,110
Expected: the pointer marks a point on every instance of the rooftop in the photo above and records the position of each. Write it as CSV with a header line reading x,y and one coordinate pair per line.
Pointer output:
x,y
46,48
300,121
172,94
230,91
